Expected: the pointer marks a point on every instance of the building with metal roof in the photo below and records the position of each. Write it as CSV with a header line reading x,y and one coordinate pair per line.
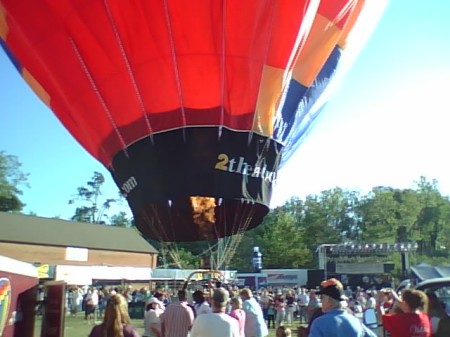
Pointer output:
x,y
56,242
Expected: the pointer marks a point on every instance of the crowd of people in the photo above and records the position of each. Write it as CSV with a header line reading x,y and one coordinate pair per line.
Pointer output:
x,y
331,311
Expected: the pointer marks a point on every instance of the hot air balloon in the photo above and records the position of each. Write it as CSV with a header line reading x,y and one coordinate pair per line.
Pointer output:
x,y
193,106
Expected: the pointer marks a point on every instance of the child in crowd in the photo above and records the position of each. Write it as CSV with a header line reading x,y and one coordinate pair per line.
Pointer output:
x,y
283,332
271,315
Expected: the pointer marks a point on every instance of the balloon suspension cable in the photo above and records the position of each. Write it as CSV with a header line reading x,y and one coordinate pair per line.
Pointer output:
x,y
221,252
174,253
224,250
167,248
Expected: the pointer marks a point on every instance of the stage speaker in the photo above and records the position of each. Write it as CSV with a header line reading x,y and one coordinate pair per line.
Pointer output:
x,y
315,276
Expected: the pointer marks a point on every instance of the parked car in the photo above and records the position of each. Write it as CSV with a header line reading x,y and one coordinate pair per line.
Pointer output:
x,y
407,283
440,286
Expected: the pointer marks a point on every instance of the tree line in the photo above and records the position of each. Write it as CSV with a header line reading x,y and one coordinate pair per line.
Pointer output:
x,y
291,233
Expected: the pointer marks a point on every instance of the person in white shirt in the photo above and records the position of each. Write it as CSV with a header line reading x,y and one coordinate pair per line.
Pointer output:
x,y
371,301
94,299
177,319
152,323
216,323
201,306
303,301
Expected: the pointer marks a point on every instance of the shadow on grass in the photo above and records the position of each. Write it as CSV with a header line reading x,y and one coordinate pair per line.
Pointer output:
x,y
77,326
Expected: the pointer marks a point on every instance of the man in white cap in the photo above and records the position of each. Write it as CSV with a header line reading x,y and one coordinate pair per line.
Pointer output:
x,y
216,323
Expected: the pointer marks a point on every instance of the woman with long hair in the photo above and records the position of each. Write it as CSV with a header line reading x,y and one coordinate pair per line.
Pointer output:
x,y
440,320
116,322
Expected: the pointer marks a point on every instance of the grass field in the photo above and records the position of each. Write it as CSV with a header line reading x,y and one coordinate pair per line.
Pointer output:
x,y
76,326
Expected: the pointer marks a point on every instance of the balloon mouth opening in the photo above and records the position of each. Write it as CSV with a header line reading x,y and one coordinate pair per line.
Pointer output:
x,y
198,218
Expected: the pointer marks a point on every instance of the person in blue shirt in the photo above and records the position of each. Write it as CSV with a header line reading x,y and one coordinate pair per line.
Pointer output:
x,y
336,321
255,326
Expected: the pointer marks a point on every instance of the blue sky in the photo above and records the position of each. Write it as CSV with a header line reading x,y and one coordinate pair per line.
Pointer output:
x,y
386,124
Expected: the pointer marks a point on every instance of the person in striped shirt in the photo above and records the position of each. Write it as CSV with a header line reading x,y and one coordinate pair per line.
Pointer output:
x,y
177,319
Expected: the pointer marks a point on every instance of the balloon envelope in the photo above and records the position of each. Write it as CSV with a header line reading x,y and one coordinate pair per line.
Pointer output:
x,y
193,106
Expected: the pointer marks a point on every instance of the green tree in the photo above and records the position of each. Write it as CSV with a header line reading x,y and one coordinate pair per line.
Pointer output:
x,y
290,234
93,209
282,241
172,255
378,211
11,181
339,207
242,259
433,219
405,215
318,224
121,220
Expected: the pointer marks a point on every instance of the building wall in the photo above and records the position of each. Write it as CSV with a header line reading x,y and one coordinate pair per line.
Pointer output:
x,y
57,255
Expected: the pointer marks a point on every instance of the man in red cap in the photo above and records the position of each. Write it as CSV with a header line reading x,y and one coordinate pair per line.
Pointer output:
x,y
336,321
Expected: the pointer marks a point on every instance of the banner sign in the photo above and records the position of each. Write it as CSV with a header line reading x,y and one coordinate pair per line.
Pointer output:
x,y
359,268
